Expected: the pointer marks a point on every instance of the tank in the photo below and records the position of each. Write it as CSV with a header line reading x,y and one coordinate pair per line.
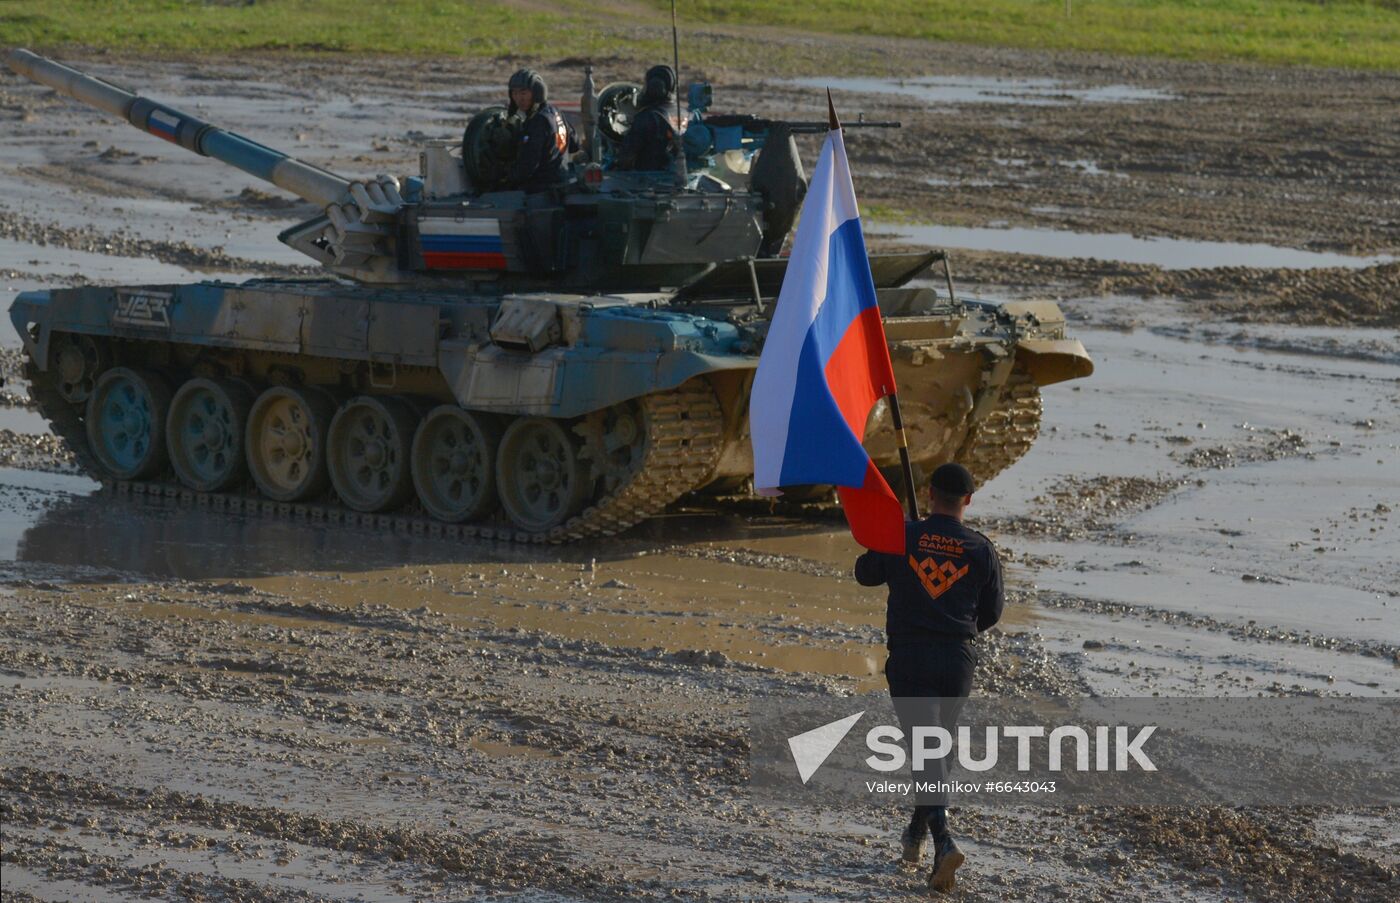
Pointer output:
x,y
481,362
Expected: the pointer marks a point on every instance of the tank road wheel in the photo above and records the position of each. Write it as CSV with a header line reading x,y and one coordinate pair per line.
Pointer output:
x,y
78,359
454,463
286,440
367,451
126,422
539,475
204,433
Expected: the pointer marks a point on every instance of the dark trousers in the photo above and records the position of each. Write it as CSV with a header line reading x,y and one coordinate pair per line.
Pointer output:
x,y
929,680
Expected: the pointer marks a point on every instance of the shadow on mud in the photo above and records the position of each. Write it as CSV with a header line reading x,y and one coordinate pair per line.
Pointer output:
x,y
165,538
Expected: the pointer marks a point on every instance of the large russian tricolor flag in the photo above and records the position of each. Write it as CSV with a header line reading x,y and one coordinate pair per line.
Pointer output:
x,y
825,363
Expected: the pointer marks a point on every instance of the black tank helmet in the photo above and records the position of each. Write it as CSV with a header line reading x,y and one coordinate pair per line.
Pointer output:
x,y
528,78
660,85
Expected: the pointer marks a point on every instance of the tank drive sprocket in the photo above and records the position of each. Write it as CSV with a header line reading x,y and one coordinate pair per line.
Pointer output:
x,y
1007,432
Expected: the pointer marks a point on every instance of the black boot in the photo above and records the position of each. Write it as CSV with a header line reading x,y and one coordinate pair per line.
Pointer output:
x,y
946,860
914,840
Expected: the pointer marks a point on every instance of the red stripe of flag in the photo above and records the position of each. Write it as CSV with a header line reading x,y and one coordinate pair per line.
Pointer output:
x,y
464,260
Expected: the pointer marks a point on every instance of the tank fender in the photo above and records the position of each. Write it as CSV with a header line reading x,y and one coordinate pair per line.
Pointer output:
x,y
567,356
1044,314
1051,361
31,309
567,382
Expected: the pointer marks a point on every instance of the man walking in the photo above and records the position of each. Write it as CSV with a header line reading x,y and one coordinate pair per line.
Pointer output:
x,y
943,591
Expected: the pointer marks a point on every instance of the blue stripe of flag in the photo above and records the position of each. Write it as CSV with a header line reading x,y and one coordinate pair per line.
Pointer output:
x,y
823,449
467,243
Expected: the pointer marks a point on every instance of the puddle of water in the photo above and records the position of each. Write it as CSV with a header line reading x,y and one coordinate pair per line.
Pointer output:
x,y
1168,253
1195,545
512,750
777,619
974,89
1091,168
25,497
674,603
1139,656
23,420
942,182
151,539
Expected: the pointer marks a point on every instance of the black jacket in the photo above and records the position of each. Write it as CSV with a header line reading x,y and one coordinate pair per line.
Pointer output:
x,y
946,585
649,143
540,159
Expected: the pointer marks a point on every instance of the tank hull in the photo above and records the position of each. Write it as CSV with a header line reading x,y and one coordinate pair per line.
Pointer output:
x,y
592,412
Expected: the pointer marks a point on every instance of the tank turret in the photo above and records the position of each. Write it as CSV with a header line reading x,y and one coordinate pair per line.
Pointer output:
x,y
604,230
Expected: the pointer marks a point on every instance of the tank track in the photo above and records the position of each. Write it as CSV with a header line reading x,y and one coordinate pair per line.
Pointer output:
x,y
999,441
683,445
1006,433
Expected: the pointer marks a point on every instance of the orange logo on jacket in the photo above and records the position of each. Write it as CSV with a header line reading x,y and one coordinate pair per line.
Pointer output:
x,y
937,577
561,134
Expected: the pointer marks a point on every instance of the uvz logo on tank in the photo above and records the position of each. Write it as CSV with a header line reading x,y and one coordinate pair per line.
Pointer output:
x,y
142,309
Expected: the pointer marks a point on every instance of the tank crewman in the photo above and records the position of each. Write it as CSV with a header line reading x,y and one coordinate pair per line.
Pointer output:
x,y
943,591
545,137
650,142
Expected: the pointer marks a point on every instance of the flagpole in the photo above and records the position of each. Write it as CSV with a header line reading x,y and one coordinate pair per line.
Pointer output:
x,y
900,439
681,176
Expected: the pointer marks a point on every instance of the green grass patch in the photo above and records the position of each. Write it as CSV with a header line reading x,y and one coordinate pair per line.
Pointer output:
x,y
1361,34
351,26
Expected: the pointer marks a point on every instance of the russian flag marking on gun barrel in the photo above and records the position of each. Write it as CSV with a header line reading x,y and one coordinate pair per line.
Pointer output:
x,y
465,244
163,125
825,363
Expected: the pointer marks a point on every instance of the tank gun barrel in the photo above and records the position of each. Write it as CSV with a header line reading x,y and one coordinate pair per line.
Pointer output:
x,y
288,173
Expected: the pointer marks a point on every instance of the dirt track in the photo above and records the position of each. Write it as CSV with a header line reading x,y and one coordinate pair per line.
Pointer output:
x,y
201,705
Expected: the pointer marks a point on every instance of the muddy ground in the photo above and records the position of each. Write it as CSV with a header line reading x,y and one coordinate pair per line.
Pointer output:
x,y
200,705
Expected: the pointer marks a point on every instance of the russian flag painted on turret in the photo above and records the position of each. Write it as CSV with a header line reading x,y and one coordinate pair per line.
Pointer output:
x,y
825,363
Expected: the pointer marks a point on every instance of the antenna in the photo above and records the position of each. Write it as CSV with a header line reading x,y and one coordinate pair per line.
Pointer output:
x,y
681,176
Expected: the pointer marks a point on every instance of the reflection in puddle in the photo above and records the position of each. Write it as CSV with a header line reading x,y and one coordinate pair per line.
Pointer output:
x,y
154,537
25,498
625,592
1091,168
1168,253
163,539
974,89
23,420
